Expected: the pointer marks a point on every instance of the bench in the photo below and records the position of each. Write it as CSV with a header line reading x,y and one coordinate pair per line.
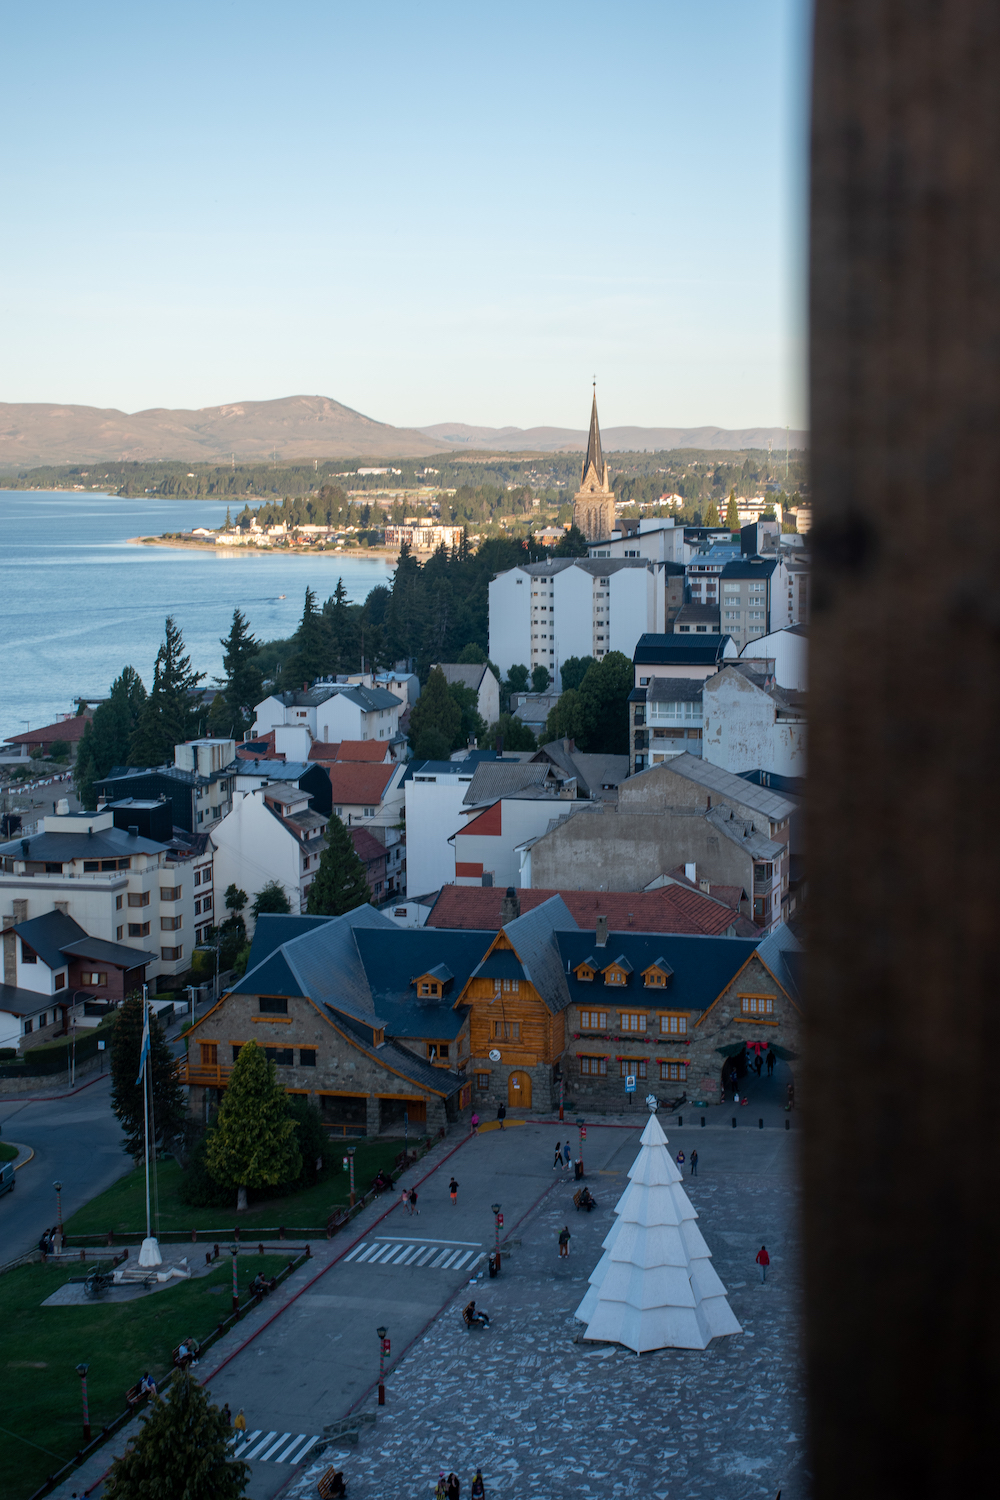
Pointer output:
x,y
337,1220
133,1396
182,1364
580,1202
331,1484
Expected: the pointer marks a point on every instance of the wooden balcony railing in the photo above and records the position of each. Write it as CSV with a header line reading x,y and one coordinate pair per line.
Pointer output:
x,y
204,1075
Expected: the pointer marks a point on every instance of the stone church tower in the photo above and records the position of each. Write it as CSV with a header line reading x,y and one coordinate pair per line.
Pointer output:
x,y
594,501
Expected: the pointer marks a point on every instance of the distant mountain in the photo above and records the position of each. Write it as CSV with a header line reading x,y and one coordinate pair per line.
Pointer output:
x,y
298,428
621,439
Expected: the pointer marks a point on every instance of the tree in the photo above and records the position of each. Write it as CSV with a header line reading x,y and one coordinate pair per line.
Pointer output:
x,y
471,726
232,713
540,679
312,654
182,1448
168,716
732,512
233,931
574,669
513,732
107,736
573,544
169,1105
341,884
435,709
604,692
253,1143
567,718
271,898
471,655
432,745
517,678
712,515
59,750
313,1141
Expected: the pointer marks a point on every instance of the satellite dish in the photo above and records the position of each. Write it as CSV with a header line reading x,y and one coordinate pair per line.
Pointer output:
x,y
494,1054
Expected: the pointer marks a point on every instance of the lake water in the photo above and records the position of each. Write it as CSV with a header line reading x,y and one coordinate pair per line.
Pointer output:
x,y
78,602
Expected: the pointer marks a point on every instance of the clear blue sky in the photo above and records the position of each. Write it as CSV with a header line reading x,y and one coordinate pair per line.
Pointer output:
x,y
433,212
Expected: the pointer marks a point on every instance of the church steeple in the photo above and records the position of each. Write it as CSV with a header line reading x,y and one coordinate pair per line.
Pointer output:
x,y
594,455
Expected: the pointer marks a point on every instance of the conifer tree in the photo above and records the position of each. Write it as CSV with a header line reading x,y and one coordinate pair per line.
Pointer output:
x,y
253,1142
712,515
313,652
232,711
341,883
169,717
169,1104
732,512
106,737
435,709
182,1449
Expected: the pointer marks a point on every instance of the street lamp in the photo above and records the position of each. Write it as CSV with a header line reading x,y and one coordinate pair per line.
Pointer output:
x,y
498,1220
583,1136
350,1156
383,1350
234,1251
81,1370
58,1188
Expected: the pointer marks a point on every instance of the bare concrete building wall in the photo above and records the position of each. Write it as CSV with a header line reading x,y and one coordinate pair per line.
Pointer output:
x,y
615,851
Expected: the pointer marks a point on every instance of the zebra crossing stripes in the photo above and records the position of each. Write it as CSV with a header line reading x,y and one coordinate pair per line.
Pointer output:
x,y
277,1447
434,1255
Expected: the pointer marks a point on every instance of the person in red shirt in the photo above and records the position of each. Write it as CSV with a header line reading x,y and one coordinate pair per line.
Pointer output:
x,y
763,1260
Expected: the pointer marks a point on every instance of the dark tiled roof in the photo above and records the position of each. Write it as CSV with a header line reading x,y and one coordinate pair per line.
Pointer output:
x,y
505,778
20,1003
750,567
661,650
48,935
501,964
532,936
61,848
702,967
104,952
392,965
782,952
675,690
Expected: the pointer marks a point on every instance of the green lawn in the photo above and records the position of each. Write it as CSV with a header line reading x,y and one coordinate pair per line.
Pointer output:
x,y
7,1153
40,1348
122,1208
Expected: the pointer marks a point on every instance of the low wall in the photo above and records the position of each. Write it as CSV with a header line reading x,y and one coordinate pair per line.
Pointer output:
x,y
52,1083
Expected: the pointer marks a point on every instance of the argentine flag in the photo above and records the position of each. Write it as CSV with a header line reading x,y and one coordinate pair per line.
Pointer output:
x,y
144,1051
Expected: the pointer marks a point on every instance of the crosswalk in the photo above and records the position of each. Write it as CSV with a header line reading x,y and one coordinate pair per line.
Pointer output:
x,y
277,1447
432,1255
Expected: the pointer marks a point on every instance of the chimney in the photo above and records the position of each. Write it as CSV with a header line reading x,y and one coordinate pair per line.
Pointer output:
x,y
706,886
510,906
133,830
602,932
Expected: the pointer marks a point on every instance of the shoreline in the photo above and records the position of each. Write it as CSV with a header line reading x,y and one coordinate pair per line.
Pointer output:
x,y
195,544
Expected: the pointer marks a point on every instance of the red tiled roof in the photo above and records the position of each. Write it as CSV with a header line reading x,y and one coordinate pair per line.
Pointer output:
x,y
321,750
670,909
366,846
369,750
246,750
732,895
70,730
358,783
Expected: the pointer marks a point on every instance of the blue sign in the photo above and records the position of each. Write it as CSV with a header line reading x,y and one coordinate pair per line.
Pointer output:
x,y
630,1083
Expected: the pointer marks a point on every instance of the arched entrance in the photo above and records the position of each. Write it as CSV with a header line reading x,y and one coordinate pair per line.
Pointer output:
x,y
519,1091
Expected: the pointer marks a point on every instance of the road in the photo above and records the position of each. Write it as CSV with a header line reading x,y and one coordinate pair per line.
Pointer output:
x,y
76,1141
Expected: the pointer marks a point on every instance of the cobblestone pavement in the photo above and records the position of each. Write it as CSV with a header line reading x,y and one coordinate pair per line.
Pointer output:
x,y
548,1417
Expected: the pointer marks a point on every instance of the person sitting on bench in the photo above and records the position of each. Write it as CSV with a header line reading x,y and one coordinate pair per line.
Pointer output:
x,y
147,1386
587,1199
471,1317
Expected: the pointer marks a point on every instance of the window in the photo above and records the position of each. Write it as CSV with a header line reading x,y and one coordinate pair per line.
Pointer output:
x,y
119,902
644,682
197,908
93,978
636,1066
482,1081
170,924
138,898
763,872
206,903
170,892
756,1005
593,1020
506,1031
307,1057
437,1051
90,865
52,869
511,986
585,974
283,1056
28,955
209,1054
673,1072
170,954
121,933
428,987
615,976
28,1026
273,1005
594,1067
59,982
197,877
138,929
369,812
655,978
236,1050
633,1021
673,1025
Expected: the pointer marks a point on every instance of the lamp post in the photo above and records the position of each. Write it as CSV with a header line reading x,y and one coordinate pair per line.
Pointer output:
x,y
406,1137
562,1095
497,1220
234,1251
383,1350
59,1231
81,1370
583,1136
350,1156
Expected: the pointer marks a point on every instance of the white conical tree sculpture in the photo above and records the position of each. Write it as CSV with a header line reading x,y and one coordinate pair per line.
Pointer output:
x,y
654,1286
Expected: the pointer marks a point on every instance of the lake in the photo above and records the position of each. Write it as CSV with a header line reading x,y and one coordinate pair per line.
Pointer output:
x,y
78,601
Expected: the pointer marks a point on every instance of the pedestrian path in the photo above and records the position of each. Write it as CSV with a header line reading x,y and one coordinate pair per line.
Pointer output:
x,y
277,1447
417,1251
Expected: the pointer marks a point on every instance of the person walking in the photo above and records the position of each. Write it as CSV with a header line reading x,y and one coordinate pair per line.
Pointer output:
x,y
694,1163
770,1062
564,1239
240,1422
501,1114
568,1154
441,1488
228,1415
680,1162
478,1490
474,1122
413,1202
454,1487
763,1260
404,1198
558,1158
758,1064
453,1190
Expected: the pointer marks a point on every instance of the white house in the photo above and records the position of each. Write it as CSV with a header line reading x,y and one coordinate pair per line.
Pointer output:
x,y
788,649
482,682
543,613
331,712
750,724
272,833
656,540
433,791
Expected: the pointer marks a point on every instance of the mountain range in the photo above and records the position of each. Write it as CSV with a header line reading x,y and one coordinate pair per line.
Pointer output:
x,y
297,428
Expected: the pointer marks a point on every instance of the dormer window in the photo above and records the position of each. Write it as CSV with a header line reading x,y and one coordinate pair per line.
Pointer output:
x,y
618,972
658,975
431,986
587,971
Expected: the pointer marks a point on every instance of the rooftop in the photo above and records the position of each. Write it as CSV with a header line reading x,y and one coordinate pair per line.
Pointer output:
x,y
662,650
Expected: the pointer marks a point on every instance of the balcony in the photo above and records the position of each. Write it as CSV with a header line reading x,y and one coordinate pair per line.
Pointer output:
x,y
641,739
203,1075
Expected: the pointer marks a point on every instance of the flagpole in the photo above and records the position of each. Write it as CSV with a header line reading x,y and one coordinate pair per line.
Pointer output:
x,y
145,1103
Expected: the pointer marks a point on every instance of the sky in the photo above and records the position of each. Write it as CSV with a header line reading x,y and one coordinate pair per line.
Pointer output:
x,y
435,212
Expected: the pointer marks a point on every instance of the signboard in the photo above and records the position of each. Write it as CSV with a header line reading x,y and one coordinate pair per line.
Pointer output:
x,y
385,1346
494,1054
630,1083
500,1220
101,1046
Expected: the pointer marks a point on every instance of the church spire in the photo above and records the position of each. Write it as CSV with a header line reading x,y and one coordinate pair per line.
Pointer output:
x,y
594,455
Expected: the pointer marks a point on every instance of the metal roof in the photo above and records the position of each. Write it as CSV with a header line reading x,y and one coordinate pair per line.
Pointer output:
x,y
674,690
656,650
702,967
750,567
507,778
728,785
532,936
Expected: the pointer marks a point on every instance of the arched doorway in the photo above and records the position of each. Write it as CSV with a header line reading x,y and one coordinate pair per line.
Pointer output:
x,y
519,1091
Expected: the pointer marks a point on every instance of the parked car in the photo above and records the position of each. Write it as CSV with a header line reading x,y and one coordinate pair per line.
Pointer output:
x,y
7,1179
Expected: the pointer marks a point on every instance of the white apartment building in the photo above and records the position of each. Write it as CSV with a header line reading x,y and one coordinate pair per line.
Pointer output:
x,y
332,711
752,598
423,536
656,540
543,613
271,834
433,792
115,883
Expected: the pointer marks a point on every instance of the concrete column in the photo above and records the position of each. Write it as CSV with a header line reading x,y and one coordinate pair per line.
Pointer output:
x,y
374,1120
903,1119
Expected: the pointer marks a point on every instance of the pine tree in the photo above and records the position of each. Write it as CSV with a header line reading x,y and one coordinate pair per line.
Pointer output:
x,y
712,515
182,1450
271,898
106,738
253,1143
232,712
169,1103
435,709
313,651
341,883
169,717
732,512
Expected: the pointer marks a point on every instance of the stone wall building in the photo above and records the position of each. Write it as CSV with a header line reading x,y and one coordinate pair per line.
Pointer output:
x,y
594,501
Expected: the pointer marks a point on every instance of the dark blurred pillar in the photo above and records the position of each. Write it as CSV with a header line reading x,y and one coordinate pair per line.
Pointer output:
x,y
902,1088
